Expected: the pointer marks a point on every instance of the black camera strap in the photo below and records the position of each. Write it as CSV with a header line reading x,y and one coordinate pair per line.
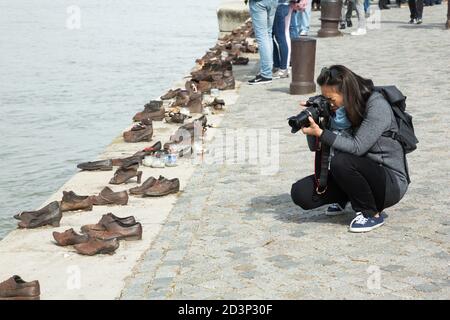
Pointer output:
x,y
322,161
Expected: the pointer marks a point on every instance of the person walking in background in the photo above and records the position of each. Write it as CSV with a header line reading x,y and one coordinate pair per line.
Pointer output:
x,y
282,39
416,10
359,5
304,17
382,4
367,8
295,28
262,13
346,14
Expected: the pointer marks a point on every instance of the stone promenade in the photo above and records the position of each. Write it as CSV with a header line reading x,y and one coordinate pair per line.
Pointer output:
x,y
235,234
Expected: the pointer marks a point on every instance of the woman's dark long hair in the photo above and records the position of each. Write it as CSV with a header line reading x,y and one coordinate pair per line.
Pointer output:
x,y
355,89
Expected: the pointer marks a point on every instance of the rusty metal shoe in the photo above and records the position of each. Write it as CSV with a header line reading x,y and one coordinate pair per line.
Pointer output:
x,y
147,184
123,174
242,61
153,115
69,238
182,99
73,202
163,188
170,94
109,197
101,165
96,246
195,103
15,288
153,105
137,157
118,230
105,221
49,215
138,133
204,86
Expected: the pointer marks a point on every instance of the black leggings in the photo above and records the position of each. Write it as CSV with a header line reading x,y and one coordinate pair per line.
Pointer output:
x,y
369,186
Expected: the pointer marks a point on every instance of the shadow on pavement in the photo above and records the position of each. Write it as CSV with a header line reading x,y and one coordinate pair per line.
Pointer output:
x,y
283,209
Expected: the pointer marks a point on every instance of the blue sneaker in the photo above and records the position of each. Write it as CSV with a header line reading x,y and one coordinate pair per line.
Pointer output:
x,y
334,210
363,224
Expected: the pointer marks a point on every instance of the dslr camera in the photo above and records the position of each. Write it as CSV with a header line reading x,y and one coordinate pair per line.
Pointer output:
x,y
316,107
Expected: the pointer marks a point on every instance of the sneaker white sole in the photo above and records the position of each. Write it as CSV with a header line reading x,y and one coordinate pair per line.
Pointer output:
x,y
262,82
333,214
362,230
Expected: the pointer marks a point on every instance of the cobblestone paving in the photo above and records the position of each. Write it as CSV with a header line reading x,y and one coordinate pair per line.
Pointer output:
x,y
235,234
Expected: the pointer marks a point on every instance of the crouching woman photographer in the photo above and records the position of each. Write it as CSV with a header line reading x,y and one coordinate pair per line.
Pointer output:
x,y
368,168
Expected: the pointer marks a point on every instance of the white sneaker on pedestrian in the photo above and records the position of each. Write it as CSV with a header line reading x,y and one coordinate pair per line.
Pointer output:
x,y
281,74
303,33
359,32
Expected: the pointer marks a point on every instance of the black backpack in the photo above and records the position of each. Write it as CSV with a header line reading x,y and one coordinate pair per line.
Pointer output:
x,y
405,134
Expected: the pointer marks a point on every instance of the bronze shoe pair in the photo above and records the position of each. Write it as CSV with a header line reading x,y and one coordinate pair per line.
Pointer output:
x,y
138,191
73,202
109,197
48,215
162,188
111,227
15,288
140,132
155,115
123,174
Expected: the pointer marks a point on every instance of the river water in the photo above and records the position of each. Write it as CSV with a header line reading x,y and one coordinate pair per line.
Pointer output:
x,y
73,73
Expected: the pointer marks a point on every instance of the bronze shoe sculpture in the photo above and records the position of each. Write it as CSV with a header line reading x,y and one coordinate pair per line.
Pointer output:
x,y
123,174
118,230
138,156
101,165
73,202
182,99
204,86
170,94
195,103
109,197
96,246
49,215
69,238
147,184
15,288
105,221
217,104
163,188
242,61
138,133
153,115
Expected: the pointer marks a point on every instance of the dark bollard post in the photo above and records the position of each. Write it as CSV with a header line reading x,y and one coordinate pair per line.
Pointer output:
x,y
448,15
330,15
303,58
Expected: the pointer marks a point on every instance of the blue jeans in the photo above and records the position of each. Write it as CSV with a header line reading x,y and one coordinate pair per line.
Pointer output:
x,y
281,38
293,29
304,17
262,14
300,21
366,6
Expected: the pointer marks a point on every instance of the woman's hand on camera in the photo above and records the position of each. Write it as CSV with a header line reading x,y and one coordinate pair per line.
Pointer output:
x,y
313,129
